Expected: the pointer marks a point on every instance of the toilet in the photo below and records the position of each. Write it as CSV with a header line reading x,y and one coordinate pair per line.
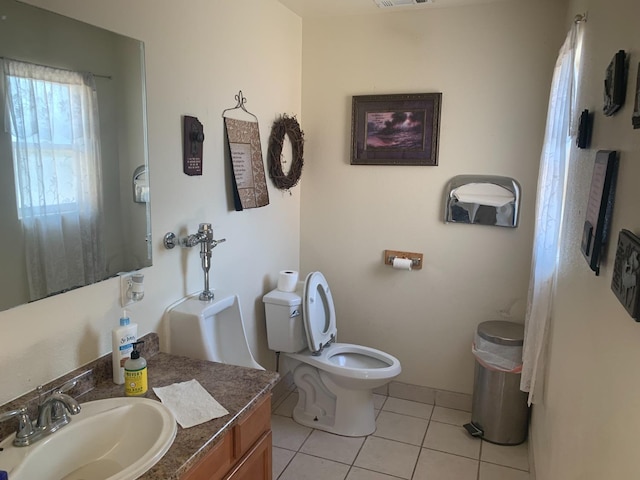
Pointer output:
x,y
209,330
335,381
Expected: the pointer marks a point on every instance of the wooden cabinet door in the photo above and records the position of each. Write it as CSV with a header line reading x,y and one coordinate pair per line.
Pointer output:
x,y
217,462
256,464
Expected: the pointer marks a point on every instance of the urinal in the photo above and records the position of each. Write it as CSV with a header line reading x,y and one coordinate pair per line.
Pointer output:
x,y
209,330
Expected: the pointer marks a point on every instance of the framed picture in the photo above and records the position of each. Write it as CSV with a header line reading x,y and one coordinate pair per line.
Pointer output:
x,y
635,118
399,129
615,83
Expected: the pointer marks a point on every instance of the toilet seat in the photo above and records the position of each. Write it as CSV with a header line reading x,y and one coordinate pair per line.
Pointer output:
x,y
354,362
319,312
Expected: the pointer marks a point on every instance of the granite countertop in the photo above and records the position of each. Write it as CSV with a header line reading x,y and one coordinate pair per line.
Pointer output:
x,y
235,388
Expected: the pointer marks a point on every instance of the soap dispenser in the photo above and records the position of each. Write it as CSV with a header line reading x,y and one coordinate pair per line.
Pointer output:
x,y
135,373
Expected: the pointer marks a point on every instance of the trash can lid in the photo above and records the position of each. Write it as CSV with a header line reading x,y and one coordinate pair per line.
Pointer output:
x,y
502,333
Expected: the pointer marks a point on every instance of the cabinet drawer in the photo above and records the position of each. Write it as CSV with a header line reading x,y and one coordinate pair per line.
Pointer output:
x,y
252,427
217,462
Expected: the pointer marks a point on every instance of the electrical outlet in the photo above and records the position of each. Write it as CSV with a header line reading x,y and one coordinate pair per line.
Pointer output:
x,y
125,288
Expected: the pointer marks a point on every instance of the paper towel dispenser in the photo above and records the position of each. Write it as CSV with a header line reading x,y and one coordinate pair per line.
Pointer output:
x,y
483,200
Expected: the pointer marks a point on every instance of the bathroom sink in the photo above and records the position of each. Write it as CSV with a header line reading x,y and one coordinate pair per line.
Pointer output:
x,y
111,439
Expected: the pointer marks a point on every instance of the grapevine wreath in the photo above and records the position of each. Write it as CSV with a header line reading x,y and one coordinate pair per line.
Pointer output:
x,y
289,126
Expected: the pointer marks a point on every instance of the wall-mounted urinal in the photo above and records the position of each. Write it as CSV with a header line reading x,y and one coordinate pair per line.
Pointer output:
x,y
209,330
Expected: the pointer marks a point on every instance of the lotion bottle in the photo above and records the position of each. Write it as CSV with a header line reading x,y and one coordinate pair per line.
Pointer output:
x,y
135,373
122,345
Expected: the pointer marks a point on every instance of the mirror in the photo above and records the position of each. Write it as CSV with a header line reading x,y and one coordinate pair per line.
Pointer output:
x,y
33,36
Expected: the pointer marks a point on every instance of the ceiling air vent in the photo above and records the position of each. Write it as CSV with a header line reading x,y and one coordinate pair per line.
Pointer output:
x,y
400,3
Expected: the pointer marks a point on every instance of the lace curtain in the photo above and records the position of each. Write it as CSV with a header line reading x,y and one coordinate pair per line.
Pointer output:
x,y
549,206
52,116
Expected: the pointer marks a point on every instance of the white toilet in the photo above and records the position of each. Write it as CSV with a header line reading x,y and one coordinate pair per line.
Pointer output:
x,y
209,330
335,380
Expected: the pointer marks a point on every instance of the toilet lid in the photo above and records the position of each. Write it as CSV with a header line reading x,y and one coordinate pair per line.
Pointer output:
x,y
319,312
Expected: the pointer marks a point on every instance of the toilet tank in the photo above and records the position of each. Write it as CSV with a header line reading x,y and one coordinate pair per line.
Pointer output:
x,y
285,327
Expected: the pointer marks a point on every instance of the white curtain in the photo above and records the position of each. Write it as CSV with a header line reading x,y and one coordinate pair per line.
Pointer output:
x,y
53,120
549,206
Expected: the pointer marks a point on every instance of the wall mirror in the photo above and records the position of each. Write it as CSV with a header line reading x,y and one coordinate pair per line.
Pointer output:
x,y
74,199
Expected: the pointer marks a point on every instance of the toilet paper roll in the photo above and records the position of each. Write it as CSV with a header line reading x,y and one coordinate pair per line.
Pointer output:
x,y
402,263
287,281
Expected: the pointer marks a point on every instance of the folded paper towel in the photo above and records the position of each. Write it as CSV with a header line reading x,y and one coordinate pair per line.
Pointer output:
x,y
190,403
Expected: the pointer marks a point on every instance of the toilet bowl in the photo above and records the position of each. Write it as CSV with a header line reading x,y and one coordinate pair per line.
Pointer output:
x,y
209,330
335,380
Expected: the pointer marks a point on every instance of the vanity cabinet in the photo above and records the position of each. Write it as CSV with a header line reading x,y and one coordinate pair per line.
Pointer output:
x,y
244,453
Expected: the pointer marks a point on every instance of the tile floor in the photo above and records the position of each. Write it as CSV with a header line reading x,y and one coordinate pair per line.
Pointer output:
x,y
413,441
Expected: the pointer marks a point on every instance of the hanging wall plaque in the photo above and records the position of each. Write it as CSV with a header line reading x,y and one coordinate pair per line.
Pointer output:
x,y
249,181
193,137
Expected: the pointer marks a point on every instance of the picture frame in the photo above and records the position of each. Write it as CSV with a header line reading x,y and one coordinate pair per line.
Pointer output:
x,y
599,207
615,83
635,118
395,129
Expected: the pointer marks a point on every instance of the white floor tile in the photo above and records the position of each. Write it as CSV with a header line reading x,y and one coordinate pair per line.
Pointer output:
x,y
489,471
307,467
332,447
287,433
449,415
287,405
451,439
433,465
513,456
387,456
401,427
280,459
408,407
362,474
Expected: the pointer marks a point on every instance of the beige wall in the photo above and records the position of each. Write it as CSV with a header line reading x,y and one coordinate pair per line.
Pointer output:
x,y
197,58
493,65
586,428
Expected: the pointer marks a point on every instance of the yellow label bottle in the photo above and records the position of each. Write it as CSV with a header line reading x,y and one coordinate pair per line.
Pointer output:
x,y
135,374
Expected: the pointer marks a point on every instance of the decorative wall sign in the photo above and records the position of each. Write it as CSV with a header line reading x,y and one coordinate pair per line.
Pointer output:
x,y
249,181
625,281
193,137
599,207
635,119
615,84
395,129
583,139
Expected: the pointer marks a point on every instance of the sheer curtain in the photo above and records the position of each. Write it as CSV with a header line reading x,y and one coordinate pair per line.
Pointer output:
x,y
549,205
52,116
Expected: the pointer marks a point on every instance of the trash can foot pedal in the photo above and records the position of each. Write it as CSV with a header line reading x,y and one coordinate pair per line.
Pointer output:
x,y
473,430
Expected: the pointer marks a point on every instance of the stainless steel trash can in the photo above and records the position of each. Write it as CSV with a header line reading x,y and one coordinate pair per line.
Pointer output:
x,y
499,412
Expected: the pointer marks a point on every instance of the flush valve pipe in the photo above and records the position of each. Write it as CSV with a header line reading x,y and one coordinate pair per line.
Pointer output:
x,y
204,238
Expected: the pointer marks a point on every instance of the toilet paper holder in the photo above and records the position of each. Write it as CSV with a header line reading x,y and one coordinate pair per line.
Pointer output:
x,y
416,258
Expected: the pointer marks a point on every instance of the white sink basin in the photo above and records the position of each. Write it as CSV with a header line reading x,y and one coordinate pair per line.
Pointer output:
x,y
114,439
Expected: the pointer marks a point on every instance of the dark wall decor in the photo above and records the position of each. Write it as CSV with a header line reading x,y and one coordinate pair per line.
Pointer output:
x,y
399,129
625,281
583,139
599,207
635,119
192,139
615,83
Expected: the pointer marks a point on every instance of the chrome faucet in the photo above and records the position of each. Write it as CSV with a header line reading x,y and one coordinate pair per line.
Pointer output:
x,y
52,415
204,237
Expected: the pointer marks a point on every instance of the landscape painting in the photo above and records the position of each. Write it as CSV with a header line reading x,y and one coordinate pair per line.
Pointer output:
x,y
395,129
